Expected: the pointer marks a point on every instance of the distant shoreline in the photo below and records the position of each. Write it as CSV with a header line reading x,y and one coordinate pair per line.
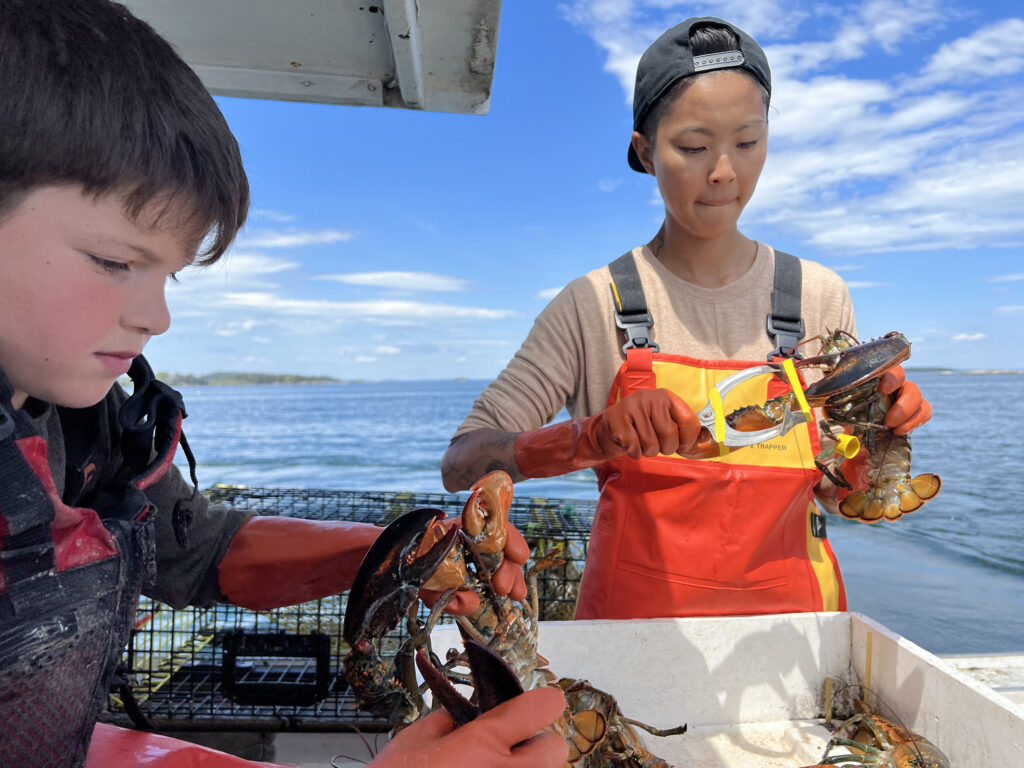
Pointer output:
x,y
236,379
979,372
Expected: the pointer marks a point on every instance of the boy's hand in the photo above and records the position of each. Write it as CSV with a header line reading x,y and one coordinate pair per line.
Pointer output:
x,y
504,737
507,580
909,410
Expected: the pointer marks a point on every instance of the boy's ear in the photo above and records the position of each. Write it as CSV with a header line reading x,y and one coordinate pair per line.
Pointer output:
x,y
642,147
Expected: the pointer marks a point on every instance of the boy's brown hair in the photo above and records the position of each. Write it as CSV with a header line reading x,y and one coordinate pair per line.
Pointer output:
x,y
91,95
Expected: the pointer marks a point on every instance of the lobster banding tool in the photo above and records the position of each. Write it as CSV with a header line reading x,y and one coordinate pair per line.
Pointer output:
x,y
713,416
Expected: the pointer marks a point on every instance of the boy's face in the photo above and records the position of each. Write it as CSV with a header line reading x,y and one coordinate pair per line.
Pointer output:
x,y
708,152
81,292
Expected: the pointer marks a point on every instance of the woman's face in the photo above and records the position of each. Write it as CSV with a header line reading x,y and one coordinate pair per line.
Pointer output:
x,y
708,152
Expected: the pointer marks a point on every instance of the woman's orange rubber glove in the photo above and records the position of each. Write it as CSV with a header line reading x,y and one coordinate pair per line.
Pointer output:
x,y
504,737
644,423
910,410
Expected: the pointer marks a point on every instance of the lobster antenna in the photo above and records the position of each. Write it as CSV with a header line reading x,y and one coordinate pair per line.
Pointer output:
x,y
371,750
891,715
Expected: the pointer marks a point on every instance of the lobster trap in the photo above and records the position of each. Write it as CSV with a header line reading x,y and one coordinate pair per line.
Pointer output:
x,y
227,668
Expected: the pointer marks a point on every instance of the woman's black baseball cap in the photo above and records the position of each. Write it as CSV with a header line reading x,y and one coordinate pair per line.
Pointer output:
x,y
669,59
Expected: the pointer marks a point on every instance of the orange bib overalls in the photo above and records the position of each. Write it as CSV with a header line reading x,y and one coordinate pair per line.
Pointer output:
x,y
736,534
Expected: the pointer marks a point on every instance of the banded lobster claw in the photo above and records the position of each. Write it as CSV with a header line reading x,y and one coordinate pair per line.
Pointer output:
x,y
721,426
493,680
392,574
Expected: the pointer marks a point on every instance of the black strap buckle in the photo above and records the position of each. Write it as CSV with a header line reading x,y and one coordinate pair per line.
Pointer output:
x,y
637,326
786,334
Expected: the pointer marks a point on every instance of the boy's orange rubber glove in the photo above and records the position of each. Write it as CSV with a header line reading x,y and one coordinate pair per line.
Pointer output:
x,y
274,561
504,737
112,746
644,423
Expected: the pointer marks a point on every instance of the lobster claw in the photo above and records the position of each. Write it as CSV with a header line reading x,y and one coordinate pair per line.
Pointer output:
x,y
493,680
391,574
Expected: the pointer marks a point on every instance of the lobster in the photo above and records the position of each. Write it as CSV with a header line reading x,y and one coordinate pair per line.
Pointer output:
x,y
876,741
419,551
850,401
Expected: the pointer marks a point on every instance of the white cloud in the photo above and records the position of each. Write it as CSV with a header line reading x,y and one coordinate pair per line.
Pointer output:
x,y
270,215
969,337
1006,278
236,269
862,29
852,284
847,267
549,293
1016,309
406,281
404,311
608,185
292,238
387,350
233,327
365,359
246,265
997,49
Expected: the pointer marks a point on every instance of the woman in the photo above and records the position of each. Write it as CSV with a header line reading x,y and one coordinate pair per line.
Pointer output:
x,y
630,349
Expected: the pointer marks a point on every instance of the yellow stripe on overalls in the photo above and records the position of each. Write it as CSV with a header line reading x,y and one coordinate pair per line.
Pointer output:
x,y
615,293
821,563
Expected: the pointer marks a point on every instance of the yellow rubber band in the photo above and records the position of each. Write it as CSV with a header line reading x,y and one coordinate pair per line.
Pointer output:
x,y
847,446
716,403
794,381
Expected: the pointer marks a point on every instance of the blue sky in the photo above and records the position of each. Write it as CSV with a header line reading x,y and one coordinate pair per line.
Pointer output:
x,y
392,244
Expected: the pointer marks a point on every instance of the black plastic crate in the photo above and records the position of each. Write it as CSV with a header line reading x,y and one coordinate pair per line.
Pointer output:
x,y
228,668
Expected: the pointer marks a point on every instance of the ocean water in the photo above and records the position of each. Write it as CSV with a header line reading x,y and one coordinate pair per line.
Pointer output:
x,y
949,577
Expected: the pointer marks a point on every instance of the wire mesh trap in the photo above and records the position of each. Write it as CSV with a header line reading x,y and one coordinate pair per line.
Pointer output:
x,y
229,668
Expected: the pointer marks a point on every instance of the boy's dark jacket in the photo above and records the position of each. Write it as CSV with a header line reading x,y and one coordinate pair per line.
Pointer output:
x,y
68,585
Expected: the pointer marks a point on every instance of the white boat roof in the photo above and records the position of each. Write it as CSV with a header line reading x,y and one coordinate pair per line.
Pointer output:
x,y
434,55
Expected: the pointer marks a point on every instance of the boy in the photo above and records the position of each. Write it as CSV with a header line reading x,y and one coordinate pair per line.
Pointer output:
x,y
116,167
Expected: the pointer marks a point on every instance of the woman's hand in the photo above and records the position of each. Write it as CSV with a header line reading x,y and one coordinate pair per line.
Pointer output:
x,y
909,410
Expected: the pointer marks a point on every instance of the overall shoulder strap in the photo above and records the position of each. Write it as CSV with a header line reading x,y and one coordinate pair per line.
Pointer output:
x,y
785,325
631,313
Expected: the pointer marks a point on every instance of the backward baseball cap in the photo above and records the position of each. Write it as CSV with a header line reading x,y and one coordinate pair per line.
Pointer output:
x,y
669,59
